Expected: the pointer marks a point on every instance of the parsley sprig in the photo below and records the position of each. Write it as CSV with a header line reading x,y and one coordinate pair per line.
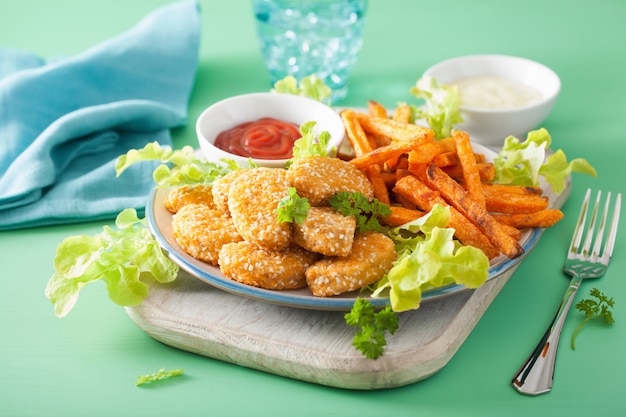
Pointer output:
x,y
371,327
293,208
367,213
597,307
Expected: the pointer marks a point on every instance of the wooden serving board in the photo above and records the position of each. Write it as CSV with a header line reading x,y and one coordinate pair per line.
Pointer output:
x,y
308,345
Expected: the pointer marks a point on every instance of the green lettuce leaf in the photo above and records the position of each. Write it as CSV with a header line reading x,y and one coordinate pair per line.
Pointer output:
x,y
180,167
310,145
443,106
123,258
522,163
429,257
310,86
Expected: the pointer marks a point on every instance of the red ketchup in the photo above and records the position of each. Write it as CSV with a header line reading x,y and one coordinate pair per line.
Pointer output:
x,y
266,138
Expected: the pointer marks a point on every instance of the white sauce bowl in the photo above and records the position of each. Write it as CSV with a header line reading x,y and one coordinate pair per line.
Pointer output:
x,y
230,112
490,126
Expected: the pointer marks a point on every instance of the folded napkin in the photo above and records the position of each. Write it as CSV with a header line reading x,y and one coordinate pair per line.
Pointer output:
x,y
64,122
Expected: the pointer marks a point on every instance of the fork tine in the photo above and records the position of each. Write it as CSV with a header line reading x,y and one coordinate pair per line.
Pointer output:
x,y
600,235
580,223
592,225
608,247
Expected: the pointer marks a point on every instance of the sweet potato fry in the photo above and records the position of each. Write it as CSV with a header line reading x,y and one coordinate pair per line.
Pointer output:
x,y
355,133
458,198
539,219
395,130
527,190
402,215
376,109
471,176
447,159
381,193
486,171
384,153
512,203
425,198
426,153
402,114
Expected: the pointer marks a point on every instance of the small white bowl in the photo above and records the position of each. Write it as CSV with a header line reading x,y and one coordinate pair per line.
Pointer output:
x,y
490,126
230,112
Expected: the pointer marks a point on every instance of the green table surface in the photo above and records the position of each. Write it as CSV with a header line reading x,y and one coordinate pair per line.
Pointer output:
x,y
86,364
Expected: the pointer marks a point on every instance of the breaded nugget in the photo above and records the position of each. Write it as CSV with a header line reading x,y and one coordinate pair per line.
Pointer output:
x,y
326,232
189,194
318,178
202,231
249,264
372,257
253,200
221,186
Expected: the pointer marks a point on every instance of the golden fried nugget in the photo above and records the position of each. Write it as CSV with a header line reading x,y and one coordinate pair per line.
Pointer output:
x,y
221,186
371,257
318,178
202,231
249,264
326,232
253,199
189,194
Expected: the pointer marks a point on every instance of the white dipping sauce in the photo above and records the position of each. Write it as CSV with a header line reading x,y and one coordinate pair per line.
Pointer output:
x,y
496,93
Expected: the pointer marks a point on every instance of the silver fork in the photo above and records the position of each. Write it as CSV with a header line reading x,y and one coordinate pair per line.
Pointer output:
x,y
536,375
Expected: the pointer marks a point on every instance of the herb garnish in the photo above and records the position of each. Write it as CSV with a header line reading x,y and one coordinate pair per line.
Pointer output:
x,y
598,308
370,339
366,213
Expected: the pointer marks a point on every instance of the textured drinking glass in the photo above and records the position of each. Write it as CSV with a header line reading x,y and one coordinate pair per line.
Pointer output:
x,y
304,37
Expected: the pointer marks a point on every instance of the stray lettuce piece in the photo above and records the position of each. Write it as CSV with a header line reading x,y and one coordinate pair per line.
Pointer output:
x,y
310,86
293,208
371,327
429,257
122,258
522,163
180,167
443,106
309,145
158,376
366,213
598,307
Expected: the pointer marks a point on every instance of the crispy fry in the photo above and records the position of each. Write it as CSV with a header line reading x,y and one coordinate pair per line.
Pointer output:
x,y
384,153
512,203
491,189
380,188
457,197
471,176
538,219
402,215
355,133
426,153
486,171
376,109
394,130
402,113
447,159
425,198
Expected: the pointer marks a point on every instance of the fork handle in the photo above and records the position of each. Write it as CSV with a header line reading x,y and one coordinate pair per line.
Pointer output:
x,y
536,375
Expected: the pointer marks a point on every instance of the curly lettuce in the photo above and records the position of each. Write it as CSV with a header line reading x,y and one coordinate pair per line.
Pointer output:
x,y
180,167
310,86
522,163
122,258
429,257
443,106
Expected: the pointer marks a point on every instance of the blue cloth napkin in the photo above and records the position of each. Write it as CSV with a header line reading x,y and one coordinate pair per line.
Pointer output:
x,y
64,122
